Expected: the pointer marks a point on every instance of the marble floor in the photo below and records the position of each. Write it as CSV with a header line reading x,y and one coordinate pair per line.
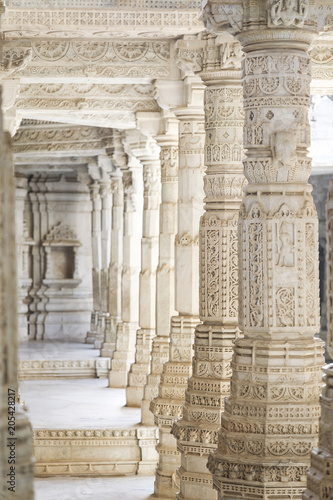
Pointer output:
x,y
77,403
101,488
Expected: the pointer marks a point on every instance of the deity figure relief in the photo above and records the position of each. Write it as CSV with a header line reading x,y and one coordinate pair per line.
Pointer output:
x,y
285,254
287,12
284,155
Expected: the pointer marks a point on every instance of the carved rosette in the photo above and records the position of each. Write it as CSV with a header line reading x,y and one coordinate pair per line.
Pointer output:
x,y
197,431
270,421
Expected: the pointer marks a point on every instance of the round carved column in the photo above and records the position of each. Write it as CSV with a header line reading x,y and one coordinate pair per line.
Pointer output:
x,y
270,420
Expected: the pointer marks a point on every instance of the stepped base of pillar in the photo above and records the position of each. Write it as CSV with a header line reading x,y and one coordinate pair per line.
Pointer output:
x,y
134,396
165,485
137,376
123,356
108,349
99,340
159,355
196,484
90,337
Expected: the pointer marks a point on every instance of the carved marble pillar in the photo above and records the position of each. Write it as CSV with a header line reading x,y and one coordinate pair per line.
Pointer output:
x,y
329,263
148,153
22,481
115,268
167,405
96,258
320,474
165,293
270,419
123,355
208,386
106,214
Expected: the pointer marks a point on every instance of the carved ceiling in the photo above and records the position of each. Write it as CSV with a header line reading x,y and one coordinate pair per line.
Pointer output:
x,y
95,62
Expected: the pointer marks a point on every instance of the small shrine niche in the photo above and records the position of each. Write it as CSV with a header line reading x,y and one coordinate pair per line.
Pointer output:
x,y
61,246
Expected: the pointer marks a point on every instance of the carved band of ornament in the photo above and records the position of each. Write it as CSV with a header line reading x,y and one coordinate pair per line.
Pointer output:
x,y
277,448
61,134
186,240
220,153
263,64
87,104
254,472
277,102
97,20
265,170
85,90
114,4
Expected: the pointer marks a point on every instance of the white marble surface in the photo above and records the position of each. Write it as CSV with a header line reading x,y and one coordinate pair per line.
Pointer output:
x,y
40,350
103,488
75,404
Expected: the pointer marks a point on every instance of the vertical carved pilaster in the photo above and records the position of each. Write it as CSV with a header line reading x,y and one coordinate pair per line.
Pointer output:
x,y
208,386
115,268
329,262
8,341
270,420
148,153
123,355
167,405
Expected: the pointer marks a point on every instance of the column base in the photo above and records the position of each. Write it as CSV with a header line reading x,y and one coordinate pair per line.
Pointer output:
x,y
134,396
123,356
108,349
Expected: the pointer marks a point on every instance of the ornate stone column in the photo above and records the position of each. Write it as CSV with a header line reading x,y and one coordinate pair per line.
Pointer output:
x,y
320,474
19,433
96,258
106,218
167,405
116,261
270,420
123,355
147,152
165,293
329,263
208,386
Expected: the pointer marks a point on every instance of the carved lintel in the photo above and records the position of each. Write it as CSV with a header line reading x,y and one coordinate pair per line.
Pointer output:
x,y
14,57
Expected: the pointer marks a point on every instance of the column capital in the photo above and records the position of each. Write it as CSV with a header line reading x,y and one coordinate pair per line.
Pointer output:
x,y
268,21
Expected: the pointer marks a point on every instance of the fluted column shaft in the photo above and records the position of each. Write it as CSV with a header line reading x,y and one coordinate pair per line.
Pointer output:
x,y
167,405
115,268
149,259
209,384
